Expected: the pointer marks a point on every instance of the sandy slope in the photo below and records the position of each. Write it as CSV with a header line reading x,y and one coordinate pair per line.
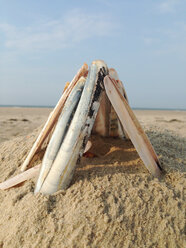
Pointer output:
x,y
112,201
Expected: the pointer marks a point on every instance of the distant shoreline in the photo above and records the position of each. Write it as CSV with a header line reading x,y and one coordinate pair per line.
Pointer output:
x,y
25,106
134,108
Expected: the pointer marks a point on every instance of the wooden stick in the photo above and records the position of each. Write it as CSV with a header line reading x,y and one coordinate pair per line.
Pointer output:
x,y
133,128
20,178
53,118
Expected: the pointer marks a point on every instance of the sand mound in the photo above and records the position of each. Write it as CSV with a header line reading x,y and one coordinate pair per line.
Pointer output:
x,y
112,201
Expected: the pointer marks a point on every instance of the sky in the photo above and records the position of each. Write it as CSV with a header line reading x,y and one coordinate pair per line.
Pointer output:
x,y
43,43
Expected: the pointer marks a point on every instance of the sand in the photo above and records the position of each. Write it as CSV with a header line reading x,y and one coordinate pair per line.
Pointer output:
x,y
112,201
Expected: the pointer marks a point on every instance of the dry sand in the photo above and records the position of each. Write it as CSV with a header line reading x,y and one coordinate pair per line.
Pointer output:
x,y
112,201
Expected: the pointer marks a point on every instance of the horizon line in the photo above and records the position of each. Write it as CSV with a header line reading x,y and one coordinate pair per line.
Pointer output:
x,y
52,106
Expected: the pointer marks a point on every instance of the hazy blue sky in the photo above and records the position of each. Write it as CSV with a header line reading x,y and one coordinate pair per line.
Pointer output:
x,y
43,43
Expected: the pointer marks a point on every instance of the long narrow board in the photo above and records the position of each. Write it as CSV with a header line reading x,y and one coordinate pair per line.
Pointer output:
x,y
133,128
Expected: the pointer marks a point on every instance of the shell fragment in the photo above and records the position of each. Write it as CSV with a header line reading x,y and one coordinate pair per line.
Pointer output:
x,y
133,128
73,145
60,131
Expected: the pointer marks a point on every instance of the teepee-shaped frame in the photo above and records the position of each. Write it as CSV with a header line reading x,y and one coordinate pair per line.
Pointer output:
x,y
95,101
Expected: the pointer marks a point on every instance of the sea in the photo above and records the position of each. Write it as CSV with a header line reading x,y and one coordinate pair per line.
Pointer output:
x,y
52,106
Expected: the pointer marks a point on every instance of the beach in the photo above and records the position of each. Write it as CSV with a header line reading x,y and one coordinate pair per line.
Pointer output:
x,y
112,201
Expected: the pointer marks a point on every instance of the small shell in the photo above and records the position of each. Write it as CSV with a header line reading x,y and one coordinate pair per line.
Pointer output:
x,y
78,132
